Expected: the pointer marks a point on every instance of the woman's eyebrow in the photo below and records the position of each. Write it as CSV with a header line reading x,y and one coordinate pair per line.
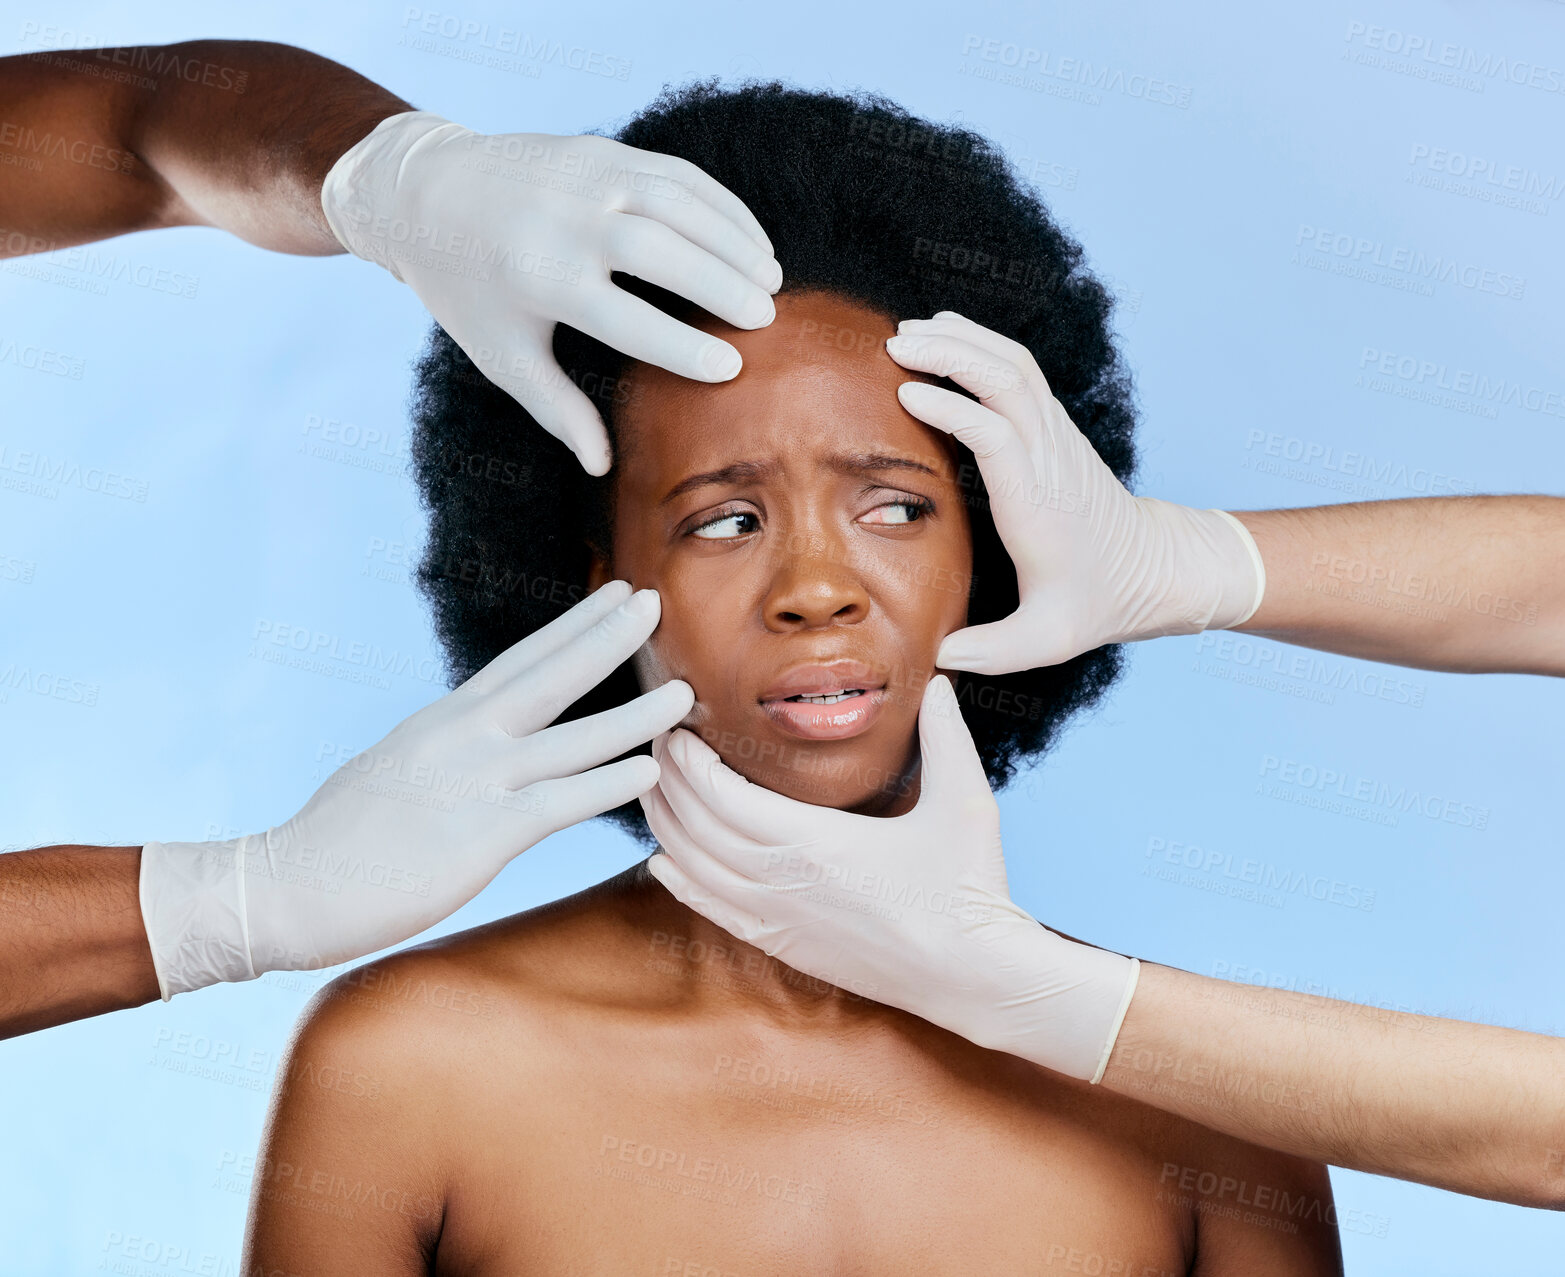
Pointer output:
x,y
740,472
858,462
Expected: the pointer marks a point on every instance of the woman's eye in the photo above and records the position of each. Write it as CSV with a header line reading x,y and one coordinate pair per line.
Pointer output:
x,y
726,526
898,512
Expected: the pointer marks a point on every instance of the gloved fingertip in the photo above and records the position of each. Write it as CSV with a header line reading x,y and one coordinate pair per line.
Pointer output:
x,y
721,361
940,696
662,867
763,316
920,397
700,764
612,593
643,770
594,460
680,693
643,605
953,656
696,752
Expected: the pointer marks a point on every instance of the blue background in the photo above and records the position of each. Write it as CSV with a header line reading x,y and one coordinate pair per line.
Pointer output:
x,y
112,1155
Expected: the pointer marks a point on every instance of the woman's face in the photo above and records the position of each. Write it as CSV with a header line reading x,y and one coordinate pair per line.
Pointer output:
x,y
810,545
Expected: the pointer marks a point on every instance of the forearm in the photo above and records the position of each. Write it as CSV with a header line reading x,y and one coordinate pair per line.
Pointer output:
x,y
1466,1107
1470,584
72,942
229,133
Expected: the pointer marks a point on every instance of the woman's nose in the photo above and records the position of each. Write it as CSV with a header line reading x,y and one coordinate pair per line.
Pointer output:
x,y
814,586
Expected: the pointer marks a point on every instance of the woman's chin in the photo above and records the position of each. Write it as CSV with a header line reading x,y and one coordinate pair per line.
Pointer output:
x,y
875,774
869,791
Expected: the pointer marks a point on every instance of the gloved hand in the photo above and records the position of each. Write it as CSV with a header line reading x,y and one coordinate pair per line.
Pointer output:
x,y
504,236
415,826
912,910
1094,564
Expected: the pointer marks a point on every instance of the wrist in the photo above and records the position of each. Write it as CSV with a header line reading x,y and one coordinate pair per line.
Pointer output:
x,y
1247,577
194,908
1062,1001
362,192
1210,571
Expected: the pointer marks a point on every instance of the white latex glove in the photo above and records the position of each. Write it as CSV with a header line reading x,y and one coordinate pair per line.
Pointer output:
x,y
504,236
912,911
1094,564
415,826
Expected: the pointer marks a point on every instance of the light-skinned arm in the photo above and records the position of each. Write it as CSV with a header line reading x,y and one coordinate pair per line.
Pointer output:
x,y
1468,583
1467,1107
1472,584
1473,1108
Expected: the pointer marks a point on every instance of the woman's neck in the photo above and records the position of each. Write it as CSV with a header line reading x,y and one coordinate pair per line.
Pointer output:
x,y
722,969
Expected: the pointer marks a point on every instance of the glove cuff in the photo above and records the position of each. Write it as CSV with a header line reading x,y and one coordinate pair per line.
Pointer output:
x,y
1064,1004
193,905
1203,572
1246,608
1119,1019
358,196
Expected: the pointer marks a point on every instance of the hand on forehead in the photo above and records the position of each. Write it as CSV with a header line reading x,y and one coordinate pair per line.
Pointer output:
x,y
815,381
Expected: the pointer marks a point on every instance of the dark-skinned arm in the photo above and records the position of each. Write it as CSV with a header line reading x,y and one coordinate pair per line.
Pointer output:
x,y
228,133
237,134
72,940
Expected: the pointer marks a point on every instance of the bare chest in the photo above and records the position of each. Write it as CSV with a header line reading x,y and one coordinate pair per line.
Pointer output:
x,y
742,1162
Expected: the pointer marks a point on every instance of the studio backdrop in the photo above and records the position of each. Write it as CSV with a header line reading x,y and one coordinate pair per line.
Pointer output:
x,y
1334,233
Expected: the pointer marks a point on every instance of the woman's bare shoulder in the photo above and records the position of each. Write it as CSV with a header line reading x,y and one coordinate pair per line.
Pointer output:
x,y
394,1072
574,951
1256,1209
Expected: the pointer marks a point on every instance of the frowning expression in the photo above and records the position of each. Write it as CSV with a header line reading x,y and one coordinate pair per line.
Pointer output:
x,y
810,544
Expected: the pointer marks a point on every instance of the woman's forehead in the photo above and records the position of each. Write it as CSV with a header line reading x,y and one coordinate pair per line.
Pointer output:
x,y
785,426
816,381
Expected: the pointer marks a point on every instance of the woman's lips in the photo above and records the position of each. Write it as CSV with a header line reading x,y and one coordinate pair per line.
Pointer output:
x,y
845,718
861,688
